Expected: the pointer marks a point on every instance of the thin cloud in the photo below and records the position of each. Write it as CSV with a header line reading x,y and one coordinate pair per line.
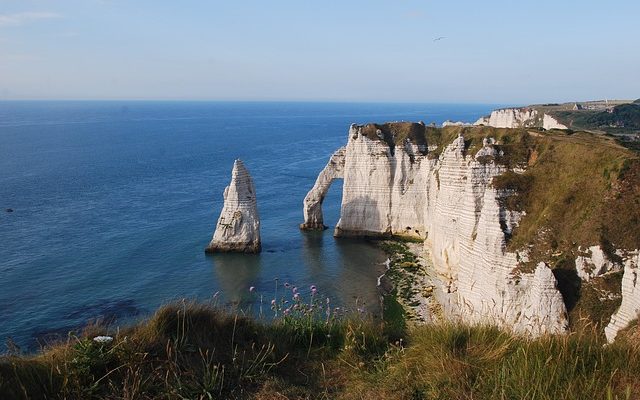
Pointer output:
x,y
18,19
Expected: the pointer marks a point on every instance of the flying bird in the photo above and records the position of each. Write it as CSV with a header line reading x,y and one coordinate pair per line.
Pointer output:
x,y
439,38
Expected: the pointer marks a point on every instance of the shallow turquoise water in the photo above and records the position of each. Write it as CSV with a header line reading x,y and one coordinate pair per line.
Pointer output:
x,y
114,203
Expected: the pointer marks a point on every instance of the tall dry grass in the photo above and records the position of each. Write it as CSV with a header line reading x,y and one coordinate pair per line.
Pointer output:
x,y
195,351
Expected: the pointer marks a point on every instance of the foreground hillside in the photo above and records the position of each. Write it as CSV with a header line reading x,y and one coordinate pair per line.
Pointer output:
x,y
195,351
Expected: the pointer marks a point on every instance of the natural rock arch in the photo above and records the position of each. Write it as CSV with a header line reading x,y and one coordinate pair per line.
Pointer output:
x,y
312,209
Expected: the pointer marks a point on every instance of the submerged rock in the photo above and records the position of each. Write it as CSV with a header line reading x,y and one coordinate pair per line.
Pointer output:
x,y
238,228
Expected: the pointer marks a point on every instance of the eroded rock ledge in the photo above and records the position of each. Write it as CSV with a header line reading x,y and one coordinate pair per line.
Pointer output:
x,y
238,228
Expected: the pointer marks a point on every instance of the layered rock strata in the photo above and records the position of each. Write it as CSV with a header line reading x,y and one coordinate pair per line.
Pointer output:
x,y
467,238
238,228
384,188
520,118
393,186
629,310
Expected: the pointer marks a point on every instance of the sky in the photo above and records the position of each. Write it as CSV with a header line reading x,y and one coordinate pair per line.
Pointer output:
x,y
491,51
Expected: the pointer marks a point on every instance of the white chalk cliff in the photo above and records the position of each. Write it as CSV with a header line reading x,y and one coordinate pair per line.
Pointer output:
x,y
467,237
455,123
630,307
382,188
400,189
238,228
520,118
594,263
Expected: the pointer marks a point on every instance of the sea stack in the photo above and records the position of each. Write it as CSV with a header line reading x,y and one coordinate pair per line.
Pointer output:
x,y
238,228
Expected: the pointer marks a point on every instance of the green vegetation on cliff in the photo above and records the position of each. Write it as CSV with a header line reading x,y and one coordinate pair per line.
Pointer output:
x,y
194,351
578,190
575,190
622,118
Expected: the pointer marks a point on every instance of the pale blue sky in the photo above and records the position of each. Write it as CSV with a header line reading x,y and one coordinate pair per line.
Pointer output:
x,y
378,50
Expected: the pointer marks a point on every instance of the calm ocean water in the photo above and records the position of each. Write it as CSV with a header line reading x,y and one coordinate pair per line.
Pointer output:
x,y
114,203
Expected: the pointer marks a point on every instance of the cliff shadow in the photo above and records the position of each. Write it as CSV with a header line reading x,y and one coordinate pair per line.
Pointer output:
x,y
361,217
312,250
360,263
236,273
569,285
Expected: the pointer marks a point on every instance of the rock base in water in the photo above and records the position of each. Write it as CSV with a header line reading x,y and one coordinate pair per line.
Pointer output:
x,y
313,227
238,228
234,248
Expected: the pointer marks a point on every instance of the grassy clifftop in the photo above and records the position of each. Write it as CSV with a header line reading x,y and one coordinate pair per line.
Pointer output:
x,y
580,189
618,118
195,351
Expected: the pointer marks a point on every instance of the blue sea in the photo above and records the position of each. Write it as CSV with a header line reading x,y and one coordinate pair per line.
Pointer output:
x,y
114,202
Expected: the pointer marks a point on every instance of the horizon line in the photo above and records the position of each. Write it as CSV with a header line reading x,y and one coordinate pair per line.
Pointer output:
x,y
301,101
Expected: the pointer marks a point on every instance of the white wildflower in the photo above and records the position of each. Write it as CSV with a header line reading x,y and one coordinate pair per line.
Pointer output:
x,y
103,339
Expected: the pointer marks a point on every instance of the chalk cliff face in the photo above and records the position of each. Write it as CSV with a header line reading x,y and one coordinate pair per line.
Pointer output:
x,y
396,187
467,228
520,118
238,228
548,122
630,308
384,188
